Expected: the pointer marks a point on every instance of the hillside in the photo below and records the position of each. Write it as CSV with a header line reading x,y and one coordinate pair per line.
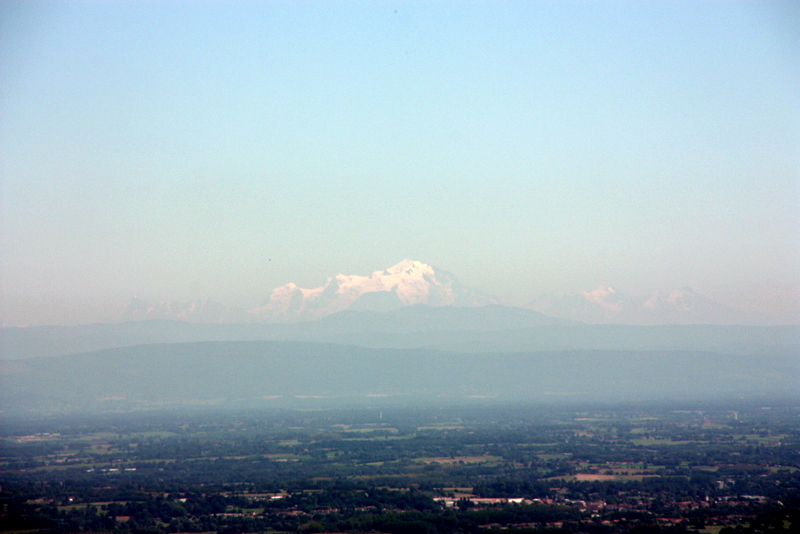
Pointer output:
x,y
269,373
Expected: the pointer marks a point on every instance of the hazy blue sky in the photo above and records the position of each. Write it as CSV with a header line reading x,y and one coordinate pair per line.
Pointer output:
x,y
180,150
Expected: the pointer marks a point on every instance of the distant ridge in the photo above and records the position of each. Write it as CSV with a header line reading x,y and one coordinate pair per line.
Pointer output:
x,y
605,305
485,328
424,318
197,311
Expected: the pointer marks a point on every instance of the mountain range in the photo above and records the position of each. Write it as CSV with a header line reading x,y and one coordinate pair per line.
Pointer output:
x,y
404,284
410,283
407,334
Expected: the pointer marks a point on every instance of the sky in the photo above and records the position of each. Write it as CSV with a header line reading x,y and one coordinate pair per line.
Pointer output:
x,y
216,150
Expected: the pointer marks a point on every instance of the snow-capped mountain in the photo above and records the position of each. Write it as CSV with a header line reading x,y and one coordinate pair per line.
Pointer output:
x,y
197,311
604,305
601,305
407,283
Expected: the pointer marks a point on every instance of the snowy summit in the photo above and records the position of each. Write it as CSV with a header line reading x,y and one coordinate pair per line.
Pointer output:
x,y
407,283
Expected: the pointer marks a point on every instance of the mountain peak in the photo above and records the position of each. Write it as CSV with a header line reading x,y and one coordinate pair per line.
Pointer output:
x,y
409,266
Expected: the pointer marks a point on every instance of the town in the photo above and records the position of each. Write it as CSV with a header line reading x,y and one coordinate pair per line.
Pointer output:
x,y
504,468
